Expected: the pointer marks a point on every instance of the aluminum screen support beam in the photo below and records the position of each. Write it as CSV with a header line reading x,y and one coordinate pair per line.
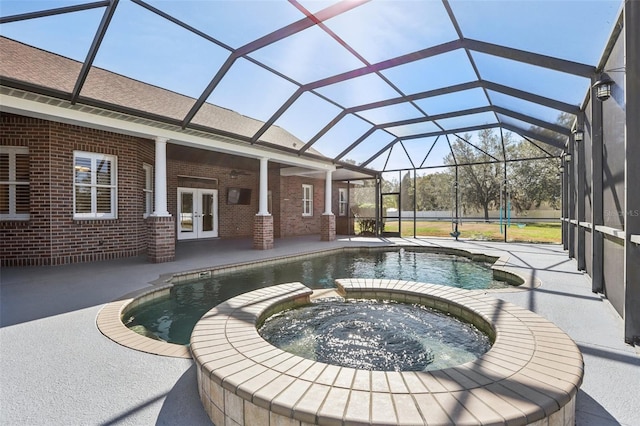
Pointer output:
x,y
422,54
580,196
597,213
266,40
93,50
531,97
571,173
535,121
531,58
52,12
380,152
632,172
537,136
565,208
322,132
490,108
356,143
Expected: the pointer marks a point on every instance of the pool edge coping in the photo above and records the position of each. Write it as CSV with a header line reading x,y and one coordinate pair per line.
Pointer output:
x,y
109,320
533,370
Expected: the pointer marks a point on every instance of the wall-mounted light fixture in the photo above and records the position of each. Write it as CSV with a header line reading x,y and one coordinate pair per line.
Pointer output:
x,y
567,158
603,88
561,169
578,135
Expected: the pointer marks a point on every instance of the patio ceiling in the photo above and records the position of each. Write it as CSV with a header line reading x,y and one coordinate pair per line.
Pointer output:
x,y
356,81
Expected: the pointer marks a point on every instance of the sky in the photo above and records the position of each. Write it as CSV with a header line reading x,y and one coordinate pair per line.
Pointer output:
x,y
146,47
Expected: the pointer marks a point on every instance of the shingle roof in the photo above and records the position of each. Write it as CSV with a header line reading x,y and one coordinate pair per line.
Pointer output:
x,y
37,67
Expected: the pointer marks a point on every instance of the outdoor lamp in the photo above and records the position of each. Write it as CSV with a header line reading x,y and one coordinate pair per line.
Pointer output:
x,y
567,158
603,88
578,135
561,169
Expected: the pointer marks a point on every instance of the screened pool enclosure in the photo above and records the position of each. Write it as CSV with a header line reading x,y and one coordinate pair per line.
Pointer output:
x,y
513,121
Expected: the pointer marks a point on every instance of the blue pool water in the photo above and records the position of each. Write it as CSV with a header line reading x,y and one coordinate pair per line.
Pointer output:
x,y
172,319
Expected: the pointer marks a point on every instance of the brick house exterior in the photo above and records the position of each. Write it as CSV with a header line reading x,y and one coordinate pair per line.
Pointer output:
x,y
62,210
52,236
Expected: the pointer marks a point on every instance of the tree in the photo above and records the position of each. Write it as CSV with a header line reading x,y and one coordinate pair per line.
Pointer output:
x,y
479,184
533,182
434,191
406,192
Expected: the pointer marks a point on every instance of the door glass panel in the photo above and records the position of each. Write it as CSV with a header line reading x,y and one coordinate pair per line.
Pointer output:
x,y
207,212
186,212
390,212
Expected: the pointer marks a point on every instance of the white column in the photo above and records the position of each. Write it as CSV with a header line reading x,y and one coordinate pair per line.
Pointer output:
x,y
161,178
264,188
327,193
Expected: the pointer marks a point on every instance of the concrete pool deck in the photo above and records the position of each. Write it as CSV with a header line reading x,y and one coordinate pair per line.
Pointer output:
x,y
57,368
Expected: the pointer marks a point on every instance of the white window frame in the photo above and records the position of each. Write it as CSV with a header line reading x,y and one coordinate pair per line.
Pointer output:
x,y
148,189
12,183
113,186
307,200
342,201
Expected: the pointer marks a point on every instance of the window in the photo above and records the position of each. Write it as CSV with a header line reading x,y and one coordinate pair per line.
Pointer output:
x,y
342,201
307,200
94,186
148,189
14,183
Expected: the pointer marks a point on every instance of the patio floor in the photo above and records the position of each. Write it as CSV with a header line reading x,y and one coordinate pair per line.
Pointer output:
x,y
56,368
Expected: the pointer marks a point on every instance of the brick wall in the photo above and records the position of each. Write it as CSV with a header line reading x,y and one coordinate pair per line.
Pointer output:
x,y
29,242
52,236
292,223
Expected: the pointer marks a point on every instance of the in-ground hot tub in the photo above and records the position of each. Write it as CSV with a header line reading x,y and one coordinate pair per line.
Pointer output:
x,y
531,374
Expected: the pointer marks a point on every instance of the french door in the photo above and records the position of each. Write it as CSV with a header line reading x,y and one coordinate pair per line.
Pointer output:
x,y
197,213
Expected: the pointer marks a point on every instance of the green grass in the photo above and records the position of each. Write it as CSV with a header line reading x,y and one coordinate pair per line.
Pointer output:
x,y
546,232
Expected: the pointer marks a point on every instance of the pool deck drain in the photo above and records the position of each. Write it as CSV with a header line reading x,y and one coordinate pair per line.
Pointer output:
x,y
530,376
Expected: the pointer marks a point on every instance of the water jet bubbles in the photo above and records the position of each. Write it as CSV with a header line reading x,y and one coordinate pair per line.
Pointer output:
x,y
390,336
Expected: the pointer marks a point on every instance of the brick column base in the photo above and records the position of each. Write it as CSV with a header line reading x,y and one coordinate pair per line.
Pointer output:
x,y
161,245
328,227
263,232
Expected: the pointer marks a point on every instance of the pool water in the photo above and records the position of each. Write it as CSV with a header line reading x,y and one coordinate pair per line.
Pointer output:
x,y
172,319
375,335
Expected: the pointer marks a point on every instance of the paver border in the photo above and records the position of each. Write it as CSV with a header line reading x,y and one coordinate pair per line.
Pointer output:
x,y
530,376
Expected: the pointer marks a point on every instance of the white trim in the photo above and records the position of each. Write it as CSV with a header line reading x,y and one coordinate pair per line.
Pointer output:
x,y
342,202
307,201
148,189
263,193
93,185
12,183
617,233
48,108
327,194
160,179
196,214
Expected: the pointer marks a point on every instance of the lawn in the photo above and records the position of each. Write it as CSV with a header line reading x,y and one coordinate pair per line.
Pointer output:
x,y
543,232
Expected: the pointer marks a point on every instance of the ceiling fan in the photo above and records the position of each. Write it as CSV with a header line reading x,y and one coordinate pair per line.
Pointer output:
x,y
235,173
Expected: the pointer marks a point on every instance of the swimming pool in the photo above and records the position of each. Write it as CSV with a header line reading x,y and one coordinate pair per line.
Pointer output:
x,y
172,318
